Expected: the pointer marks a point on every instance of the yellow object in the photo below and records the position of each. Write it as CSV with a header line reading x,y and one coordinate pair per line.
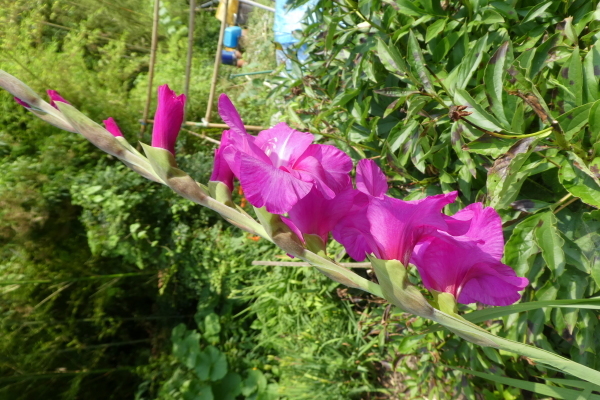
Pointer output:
x,y
232,10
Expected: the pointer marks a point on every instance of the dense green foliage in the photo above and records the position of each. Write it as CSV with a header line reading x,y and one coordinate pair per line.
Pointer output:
x,y
114,287
495,99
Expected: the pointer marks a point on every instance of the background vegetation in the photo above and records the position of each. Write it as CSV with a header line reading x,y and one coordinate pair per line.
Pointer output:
x,y
114,288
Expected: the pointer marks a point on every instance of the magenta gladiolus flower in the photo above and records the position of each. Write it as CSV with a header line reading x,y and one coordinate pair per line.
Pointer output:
x,y
387,227
316,215
479,224
280,166
221,171
390,228
167,119
21,102
468,265
370,179
463,269
112,127
54,96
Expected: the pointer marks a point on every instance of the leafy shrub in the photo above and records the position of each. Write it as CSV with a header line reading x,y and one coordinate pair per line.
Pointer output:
x,y
497,100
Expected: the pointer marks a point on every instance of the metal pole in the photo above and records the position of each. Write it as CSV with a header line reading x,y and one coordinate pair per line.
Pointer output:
x,y
213,84
151,68
251,73
188,66
258,5
212,125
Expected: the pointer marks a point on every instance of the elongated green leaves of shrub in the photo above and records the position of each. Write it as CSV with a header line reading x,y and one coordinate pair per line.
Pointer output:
x,y
394,61
573,176
417,62
494,77
540,388
550,242
497,312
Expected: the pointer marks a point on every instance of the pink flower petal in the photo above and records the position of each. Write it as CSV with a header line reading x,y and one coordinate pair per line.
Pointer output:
x,y
353,231
221,170
485,228
54,96
112,127
398,225
370,179
390,228
293,227
230,115
492,283
241,143
283,145
463,269
328,166
21,102
269,187
316,215
167,119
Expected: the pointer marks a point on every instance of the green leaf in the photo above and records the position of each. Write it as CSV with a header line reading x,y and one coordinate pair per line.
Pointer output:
x,y
591,73
571,77
493,78
505,9
490,17
401,133
586,333
393,61
550,242
574,383
542,53
344,97
589,241
444,45
407,7
579,183
417,62
218,363
575,256
498,312
470,63
229,387
540,388
203,364
395,92
508,173
568,30
331,31
194,390
212,326
521,245
457,145
572,286
435,29
489,145
254,382
594,121
479,116
574,120
432,7
536,11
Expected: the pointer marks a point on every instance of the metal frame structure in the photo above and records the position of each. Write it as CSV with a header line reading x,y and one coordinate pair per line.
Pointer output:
x,y
205,123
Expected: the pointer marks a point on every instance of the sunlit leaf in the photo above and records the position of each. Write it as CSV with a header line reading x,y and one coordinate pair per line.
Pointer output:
x,y
494,78
579,183
540,388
